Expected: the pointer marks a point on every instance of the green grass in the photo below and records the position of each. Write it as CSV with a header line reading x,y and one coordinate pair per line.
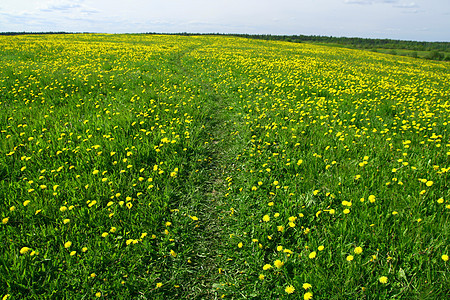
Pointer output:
x,y
208,167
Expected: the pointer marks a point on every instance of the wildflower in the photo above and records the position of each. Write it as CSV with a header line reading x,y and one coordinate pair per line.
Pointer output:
x,y
158,285
320,248
306,286
24,250
98,294
84,249
289,289
444,257
383,279
73,253
278,263
104,234
240,245
267,267
371,198
312,254
65,221
346,211
358,250
266,218
261,276
349,258
307,296
173,253
25,203
67,244
5,220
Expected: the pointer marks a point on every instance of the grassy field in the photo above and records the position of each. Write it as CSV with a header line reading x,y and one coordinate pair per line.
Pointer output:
x,y
202,167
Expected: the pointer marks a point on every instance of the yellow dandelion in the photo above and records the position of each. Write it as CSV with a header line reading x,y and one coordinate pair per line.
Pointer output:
x,y
267,267
266,218
349,258
24,250
5,220
289,289
307,296
444,257
312,254
67,244
358,250
383,279
278,263
307,286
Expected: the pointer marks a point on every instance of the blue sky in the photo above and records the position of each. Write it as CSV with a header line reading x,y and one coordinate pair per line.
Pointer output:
x,y
423,20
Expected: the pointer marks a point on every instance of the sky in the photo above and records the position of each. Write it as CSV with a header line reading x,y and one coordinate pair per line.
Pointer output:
x,y
419,20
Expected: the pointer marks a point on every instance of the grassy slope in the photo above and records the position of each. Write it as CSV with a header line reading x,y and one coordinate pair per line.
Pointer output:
x,y
254,129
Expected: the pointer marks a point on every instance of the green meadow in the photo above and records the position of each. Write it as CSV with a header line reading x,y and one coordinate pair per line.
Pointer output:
x,y
207,167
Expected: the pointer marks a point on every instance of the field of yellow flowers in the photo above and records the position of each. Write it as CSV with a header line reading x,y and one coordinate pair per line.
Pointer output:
x,y
168,167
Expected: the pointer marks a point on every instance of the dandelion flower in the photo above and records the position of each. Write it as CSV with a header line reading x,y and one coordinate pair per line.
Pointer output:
x,y
261,276
5,220
312,254
289,289
158,285
371,198
358,250
67,244
320,248
24,250
349,258
240,245
278,263
306,286
383,279
444,257
266,218
307,296
267,267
